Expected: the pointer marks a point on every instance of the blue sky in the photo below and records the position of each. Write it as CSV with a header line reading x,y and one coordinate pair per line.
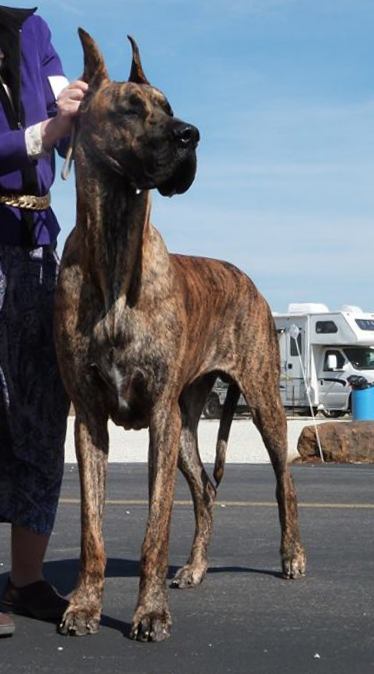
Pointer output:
x,y
283,94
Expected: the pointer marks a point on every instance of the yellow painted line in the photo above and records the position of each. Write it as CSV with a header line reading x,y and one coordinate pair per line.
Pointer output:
x,y
349,506
231,504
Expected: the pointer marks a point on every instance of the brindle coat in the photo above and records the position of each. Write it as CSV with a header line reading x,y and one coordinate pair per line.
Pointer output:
x,y
141,335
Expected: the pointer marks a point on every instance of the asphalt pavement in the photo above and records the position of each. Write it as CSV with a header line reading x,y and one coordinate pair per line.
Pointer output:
x,y
244,617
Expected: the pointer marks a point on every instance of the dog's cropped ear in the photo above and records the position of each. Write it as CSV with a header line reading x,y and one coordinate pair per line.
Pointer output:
x,y
94,67
136,72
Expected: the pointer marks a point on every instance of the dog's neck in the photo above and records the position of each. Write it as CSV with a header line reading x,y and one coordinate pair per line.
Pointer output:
x,y
116,233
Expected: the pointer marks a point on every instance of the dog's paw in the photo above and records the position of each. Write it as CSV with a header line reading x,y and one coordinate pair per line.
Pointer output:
x,y
79,622
189,576
153,626
294,564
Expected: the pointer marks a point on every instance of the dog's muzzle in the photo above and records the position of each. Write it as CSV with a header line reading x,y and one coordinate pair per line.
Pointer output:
x,y
186,137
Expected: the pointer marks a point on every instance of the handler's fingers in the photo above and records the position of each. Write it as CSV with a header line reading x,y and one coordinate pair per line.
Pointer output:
x,y
70,98
77,84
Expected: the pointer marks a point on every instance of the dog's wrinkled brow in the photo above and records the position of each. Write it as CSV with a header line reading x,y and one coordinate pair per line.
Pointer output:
x,y
120,102
131,101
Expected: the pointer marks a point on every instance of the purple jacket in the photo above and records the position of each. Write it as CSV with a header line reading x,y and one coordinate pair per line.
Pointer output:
x,y
26,40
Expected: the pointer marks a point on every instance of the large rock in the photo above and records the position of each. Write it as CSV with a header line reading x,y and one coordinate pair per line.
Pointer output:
x,y
341,441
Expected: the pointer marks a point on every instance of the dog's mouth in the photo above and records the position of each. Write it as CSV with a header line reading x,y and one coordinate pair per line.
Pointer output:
x,y
181,179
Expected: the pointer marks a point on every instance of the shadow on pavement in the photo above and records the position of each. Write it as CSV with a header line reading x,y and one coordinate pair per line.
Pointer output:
x,y
63,575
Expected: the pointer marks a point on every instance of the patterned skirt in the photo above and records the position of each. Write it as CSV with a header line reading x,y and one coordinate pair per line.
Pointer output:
x,y
33,403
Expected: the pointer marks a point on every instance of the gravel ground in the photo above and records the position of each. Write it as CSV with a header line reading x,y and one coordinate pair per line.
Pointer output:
x,y
245,445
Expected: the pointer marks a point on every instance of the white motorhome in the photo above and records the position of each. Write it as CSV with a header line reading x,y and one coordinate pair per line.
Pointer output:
x,y
319,350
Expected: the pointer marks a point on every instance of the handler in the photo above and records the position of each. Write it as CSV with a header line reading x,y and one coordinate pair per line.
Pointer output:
x,y
37,106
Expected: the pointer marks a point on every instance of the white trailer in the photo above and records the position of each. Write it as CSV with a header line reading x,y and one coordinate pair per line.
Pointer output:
x,y
319,350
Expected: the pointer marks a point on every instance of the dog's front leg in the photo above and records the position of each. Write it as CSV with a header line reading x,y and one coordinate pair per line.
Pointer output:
x,y
83,613
152,620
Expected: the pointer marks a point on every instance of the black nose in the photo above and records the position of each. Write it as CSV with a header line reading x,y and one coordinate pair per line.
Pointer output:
x,y
186,134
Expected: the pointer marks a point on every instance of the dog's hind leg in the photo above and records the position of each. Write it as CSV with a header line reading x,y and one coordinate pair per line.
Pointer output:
x,y
83,613
270,419
202,490
229,407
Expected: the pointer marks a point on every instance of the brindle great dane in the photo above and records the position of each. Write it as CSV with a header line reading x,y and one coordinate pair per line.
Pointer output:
x,y
142,334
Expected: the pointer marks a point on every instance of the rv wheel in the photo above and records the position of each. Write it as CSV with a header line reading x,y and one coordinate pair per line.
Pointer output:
x,y
333,414
307,412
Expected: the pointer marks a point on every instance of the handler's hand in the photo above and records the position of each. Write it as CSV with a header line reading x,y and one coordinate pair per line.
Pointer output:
x,y
68,102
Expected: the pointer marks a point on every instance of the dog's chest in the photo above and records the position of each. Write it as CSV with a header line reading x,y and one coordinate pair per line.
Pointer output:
x,y
128,370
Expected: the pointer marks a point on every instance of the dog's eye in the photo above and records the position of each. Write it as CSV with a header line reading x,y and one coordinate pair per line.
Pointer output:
x,y
130,106
134,106
131,112
121,111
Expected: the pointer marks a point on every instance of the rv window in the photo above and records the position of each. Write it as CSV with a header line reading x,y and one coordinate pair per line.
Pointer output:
x,y
293,349
325,327
339,357
365,323
361,357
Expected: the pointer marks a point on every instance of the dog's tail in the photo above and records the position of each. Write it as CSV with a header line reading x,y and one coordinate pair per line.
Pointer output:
x,y
228,411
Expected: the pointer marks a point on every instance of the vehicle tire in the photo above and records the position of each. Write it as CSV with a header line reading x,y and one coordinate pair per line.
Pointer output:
x,y
333,414
306,412
212,407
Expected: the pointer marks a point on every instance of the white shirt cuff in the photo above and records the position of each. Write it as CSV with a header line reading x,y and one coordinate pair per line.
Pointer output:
x,y
33,134
33,140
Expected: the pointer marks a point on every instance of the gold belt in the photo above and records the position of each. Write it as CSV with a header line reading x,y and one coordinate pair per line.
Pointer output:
x,y
29,202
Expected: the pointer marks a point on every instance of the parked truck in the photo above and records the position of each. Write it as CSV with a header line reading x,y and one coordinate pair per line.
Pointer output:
x,y
319,350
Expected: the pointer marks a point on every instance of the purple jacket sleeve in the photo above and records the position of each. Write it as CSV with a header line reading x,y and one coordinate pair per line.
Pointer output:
x,y
13,155
51,66
50,61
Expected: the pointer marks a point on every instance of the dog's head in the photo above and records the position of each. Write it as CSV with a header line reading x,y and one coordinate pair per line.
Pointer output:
x,y
129,127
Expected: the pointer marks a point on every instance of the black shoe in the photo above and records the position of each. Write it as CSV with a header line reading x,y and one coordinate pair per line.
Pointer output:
x,y
39,600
